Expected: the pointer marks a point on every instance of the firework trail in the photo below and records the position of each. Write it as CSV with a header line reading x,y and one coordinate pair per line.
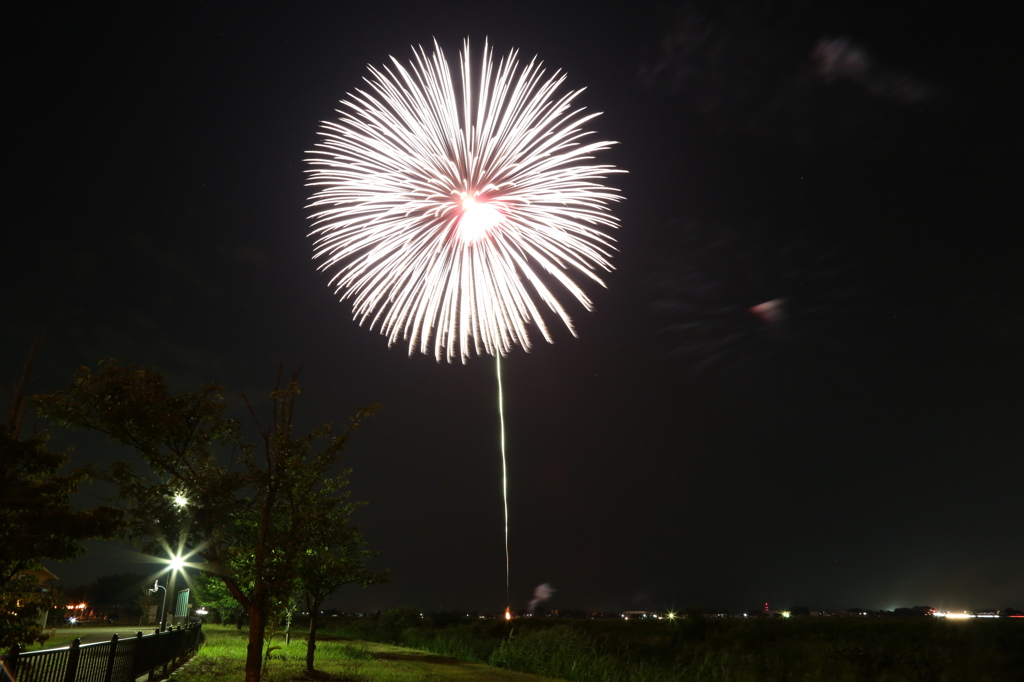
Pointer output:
x,y
445,208
762,311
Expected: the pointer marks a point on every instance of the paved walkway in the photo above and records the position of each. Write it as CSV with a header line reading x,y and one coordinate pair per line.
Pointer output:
x,y
65,635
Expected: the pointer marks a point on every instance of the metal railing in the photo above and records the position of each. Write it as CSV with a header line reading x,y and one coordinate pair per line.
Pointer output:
x,y
119,660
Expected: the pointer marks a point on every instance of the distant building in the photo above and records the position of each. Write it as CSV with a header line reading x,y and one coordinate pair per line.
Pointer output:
x,y
639,615
44,579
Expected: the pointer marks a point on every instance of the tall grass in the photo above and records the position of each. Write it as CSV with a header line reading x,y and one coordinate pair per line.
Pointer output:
x,y
726,650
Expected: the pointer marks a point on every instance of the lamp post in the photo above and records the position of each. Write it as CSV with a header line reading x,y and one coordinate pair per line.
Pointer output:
x,y
163,607
175,563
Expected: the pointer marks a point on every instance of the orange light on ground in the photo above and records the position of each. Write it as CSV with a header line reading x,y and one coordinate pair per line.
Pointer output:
x,y
508,614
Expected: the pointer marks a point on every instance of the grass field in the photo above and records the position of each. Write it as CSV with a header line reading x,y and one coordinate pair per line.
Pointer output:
x,y
222,659
719,650
400,646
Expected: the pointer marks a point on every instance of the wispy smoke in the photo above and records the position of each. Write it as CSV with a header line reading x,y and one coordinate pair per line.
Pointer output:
x,y
836,58
754,68
541,593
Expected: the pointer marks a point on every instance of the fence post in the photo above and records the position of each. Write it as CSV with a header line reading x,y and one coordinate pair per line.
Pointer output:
x,y
73,653
153,662
12,660
136,668
110,659
173,647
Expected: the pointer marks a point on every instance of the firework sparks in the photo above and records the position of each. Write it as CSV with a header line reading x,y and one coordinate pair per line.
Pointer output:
x,y
438,199
445,208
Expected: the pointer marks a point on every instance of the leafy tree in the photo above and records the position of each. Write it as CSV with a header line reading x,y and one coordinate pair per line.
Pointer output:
x,y
37,520
246,518
335,556
212,594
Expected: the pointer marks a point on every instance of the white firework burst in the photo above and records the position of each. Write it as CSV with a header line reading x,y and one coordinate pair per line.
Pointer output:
x,y
443,207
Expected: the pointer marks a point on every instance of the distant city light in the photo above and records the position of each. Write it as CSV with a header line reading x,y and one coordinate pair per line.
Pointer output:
x,y
785,614
967,614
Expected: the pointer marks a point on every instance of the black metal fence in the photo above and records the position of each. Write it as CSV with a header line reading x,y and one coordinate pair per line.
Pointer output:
x,y
119,660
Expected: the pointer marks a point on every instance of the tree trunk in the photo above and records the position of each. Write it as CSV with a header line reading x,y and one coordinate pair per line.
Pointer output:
x,y
314,609
254,650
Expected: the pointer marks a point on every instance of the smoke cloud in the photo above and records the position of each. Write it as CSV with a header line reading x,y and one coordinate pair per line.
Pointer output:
x,y
541,593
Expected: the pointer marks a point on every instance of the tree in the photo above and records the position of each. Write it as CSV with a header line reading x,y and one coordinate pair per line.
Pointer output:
x,y
37,520
145,599
336,555
212,594
111,592
247,519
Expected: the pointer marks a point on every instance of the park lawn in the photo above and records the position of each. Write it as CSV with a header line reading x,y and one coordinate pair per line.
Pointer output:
x,y
222,659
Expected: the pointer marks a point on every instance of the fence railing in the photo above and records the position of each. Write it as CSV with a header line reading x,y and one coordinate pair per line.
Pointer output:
x,y
119,660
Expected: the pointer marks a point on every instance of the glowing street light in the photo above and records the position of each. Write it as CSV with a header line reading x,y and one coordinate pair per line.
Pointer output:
x,y
180,500
176,563
173,564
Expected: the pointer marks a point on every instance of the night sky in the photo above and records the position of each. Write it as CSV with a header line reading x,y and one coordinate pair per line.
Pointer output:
x,y
852,174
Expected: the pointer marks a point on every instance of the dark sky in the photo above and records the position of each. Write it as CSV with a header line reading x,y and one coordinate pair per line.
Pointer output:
x,y
858,168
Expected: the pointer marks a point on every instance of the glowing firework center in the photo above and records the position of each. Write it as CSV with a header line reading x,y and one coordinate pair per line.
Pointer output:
x,y
478,219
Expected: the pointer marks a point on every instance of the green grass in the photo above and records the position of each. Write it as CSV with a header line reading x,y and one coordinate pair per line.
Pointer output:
x,y
222,659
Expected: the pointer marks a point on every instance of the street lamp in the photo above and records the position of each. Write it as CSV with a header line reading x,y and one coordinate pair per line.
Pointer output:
x,y
163,608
